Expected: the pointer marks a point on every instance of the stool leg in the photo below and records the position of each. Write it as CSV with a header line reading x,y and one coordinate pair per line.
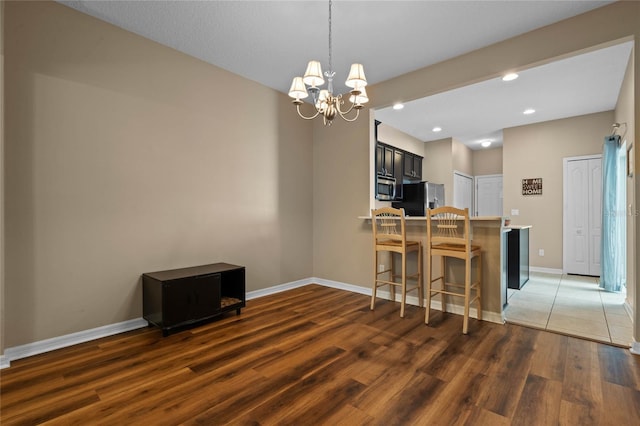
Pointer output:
x,y
392,288
404,285
443,269
420,277
428,274
375,280
479,287
467,294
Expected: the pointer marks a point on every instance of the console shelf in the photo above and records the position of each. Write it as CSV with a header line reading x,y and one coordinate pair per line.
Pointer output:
x,y
178,298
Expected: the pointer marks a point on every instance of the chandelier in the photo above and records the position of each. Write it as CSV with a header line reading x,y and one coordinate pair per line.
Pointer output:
x,y
325,102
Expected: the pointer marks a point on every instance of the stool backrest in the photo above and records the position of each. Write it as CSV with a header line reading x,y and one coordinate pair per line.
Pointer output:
x,y
388,224
448,225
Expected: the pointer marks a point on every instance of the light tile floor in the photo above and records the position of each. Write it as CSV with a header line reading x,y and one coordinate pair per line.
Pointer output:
x,y
570,304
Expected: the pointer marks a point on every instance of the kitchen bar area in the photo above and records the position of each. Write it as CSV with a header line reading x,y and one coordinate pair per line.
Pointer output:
x,y
487,232
415,176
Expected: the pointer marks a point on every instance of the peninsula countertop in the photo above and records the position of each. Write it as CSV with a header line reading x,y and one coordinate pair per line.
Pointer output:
x,y
472,218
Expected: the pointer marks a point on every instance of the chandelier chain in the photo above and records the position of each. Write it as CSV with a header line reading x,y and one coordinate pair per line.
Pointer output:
x,y
330,64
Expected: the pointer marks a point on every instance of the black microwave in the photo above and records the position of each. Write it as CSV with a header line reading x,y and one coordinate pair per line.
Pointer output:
x,y
385,188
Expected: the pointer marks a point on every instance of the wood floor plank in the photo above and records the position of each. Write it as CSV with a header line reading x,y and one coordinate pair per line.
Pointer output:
x,y
622,405
318,355
582,382
618,367
572,414
550,356
456,400
539,403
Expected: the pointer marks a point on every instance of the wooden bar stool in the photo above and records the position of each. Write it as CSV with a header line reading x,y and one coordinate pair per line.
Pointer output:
x,y
389,235
447,239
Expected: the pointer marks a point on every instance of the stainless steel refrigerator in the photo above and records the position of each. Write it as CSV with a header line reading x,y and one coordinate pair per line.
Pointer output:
x,y
418,197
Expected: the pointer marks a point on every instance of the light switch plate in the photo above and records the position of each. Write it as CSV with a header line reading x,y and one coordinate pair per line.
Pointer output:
x,y
515,212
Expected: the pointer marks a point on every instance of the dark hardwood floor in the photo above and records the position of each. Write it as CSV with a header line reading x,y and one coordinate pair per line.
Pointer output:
x,y
317,355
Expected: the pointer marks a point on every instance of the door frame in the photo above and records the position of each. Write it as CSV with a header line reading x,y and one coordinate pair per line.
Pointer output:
x,y
565,220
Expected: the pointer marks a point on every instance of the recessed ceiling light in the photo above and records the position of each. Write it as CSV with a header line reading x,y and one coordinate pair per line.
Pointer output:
x,y
509,77
436,129
398,106
486,143
528,111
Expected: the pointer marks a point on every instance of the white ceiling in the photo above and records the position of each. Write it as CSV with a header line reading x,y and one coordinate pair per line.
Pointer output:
x,y
271,42
579,85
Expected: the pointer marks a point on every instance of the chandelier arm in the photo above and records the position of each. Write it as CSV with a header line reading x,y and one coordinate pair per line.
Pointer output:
x,y
350,119
306,118
341,102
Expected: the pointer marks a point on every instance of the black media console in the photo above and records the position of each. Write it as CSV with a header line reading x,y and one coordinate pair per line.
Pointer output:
x,y
178,298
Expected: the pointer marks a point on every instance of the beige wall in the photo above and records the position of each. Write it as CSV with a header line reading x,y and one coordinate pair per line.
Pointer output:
x,y
462,158
487,161
123,157
563,39
437,165
394,137
624,114
537,151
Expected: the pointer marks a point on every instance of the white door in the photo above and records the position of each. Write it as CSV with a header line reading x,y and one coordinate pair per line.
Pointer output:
x,y
595,215
463,191
489,195
582,216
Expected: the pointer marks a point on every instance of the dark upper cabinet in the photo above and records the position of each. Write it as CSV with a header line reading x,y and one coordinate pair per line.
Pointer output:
x,y
384,160
412,169
398,160
402,165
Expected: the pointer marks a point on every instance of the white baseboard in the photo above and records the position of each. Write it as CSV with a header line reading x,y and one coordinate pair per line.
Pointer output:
x,y
342,286
635,348
59,342
545,270
412,300
42,346
278,288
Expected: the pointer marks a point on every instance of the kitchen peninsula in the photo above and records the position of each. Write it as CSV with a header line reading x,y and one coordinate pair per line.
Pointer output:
x,y
487,232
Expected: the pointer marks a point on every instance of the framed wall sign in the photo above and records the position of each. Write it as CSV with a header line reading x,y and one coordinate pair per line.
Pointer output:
x,y
532,186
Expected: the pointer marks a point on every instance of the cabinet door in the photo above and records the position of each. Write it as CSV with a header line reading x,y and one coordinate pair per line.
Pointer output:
x,y
388,160
206,294
379,159
398,163
189,299
417,167
408,165
412,166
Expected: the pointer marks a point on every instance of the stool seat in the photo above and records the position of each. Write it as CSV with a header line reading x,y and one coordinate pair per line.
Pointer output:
x,y
409,245
454,247
389,235
449,235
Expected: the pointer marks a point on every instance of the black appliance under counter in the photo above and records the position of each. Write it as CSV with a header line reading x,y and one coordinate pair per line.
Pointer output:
x,y
517,256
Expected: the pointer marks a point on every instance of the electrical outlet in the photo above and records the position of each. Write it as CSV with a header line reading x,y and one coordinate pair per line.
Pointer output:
x,y
515,212
380,268
541,252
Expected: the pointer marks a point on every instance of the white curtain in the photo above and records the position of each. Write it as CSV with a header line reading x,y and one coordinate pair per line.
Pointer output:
x,y
614,220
